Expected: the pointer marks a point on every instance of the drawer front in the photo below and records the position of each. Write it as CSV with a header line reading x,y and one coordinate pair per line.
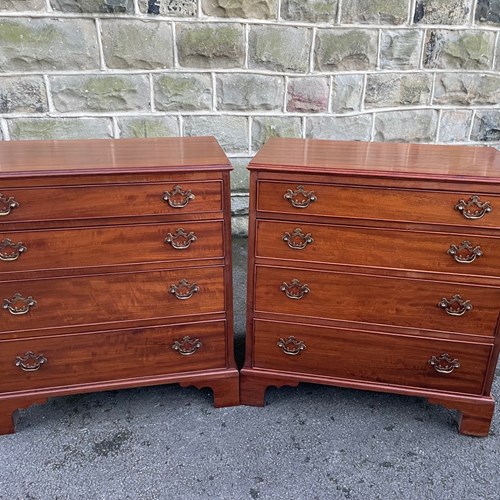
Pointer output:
x,y
98,299
379,204
425,251
377,300
113,245
127,200
57,361
371,357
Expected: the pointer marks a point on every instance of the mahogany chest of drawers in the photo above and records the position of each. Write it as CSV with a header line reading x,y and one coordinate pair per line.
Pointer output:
x,y
115,268
375,266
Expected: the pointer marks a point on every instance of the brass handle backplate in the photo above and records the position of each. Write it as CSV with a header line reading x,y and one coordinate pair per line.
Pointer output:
x,y
184,290
186,346
7,204
178,198
295,290
30,362
465,253
11,251
18,304
300,198
455,306
297,240
444,363
473,208
291,346
180,240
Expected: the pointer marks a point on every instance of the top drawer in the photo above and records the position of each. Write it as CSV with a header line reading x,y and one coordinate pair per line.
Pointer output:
x,y
115,200
401,205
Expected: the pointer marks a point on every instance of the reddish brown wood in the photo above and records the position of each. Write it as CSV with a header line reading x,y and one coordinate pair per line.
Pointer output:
x,y
364,311
94,223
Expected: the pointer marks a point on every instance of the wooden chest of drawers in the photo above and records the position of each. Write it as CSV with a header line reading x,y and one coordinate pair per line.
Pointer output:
x,y
115,268
375,266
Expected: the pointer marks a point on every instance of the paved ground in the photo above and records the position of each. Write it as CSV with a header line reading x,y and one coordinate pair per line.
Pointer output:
x,y
310,442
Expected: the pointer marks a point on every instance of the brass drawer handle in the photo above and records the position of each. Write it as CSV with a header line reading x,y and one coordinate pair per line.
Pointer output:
x,y
18,304
443,363
183,290
295,290
300,198
7,204
465,253
30,362
291,346
11,251
473,208
178,198
186,346
180,240
297,240
455,306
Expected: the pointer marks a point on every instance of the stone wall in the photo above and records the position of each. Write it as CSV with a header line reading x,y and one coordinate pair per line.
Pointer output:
x,y
246,70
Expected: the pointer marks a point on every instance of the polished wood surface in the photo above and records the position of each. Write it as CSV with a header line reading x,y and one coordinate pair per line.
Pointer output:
x,y
351,281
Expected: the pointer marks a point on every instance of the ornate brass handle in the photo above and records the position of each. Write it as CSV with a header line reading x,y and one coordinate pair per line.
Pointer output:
x,y
186,346
300,198
465,253
297,240
473,208
295,290
7,204
184,290
11,251
180,240
444,363
18,304
30,362
178,198
291,346
455,306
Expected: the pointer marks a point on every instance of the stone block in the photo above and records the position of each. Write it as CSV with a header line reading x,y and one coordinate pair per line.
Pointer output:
x,y
308,94
488,12
22,94
466,89
395,90
250,92
172,8
94,6
182,92
265,127
347,91
400,49
148,126
98,93
211,45
46,44
442,11
60,128
240,176
137,44
279,48
345,128
247,9
374,11
406,126
486,127
459,49
346,49
312,11
230,131
23,5
455,125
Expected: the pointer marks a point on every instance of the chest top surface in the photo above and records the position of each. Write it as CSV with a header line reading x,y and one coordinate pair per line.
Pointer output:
x,y
418,161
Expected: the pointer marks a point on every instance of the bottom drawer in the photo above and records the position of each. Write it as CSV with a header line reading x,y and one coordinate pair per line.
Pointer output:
x,y
372,357
114,355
